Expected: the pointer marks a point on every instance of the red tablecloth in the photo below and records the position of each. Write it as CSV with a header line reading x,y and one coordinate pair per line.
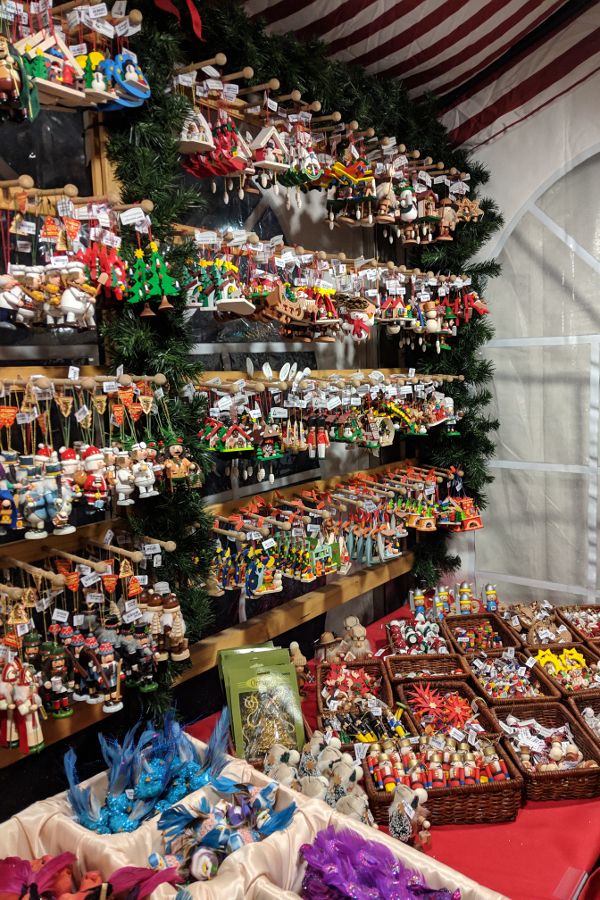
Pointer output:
x,y
543,855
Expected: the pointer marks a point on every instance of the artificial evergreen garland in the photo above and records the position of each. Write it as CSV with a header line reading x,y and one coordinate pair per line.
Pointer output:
x,y
143,147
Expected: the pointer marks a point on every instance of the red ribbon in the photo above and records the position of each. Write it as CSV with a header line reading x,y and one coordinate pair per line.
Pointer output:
x,y
169,7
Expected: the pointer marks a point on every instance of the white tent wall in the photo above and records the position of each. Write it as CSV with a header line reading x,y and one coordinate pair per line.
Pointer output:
x,y
541,534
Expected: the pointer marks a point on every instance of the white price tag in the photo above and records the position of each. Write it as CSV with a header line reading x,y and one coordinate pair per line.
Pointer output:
x,y
270,542
108,537
530,662
133,615
89,580
510,652
515,622
157,561
456,734
78,620
73,373
60,615
361,750
94,597
81,413
151,549
162,587
130,216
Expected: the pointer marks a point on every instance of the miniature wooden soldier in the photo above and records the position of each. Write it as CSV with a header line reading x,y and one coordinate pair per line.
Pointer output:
x,y
147,659
155,609
58,680
109,678
91,663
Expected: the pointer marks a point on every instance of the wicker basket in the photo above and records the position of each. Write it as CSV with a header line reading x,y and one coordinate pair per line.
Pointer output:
x,y
485,718
509,636
548,691
441,666
374,666
497,801
591,656
580,635
574,784
577,704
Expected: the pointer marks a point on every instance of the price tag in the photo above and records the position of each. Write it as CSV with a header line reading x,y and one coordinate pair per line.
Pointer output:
x,y
377,711
279,412
270,542
313,529
81,413
437,743
22,629
43,603
143,579
522,671
151,549
472,737
530,663
108,537
456,734
60,615
110,387
411,373
157,561
93,597
89,580
409,810
162,587
515,622
78,620
361,750
130,216
510,652
133,615
130,604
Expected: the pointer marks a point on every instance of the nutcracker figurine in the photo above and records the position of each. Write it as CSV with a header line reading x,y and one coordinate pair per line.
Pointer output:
x,y
31,649
58,681
92,664
147,660
109,678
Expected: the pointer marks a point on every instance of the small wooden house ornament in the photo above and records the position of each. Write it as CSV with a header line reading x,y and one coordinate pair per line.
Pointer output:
x,y
269,150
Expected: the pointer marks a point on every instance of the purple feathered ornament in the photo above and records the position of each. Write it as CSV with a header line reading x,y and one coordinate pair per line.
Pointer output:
x,y
344,865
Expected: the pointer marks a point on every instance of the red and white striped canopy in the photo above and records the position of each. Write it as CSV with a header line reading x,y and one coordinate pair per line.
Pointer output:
x,y
492,62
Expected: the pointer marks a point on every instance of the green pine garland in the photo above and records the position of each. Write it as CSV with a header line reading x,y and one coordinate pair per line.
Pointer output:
x,y
143,147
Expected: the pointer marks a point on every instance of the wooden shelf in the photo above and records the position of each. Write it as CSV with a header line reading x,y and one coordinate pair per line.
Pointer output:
x,y
289,615
262,628
84,715
32,551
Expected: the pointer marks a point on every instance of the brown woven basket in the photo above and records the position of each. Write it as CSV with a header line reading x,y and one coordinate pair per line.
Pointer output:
x,y
441,666
548,691
486,717
497,801
574,784
577,704
579,634
375,666
591,656
510,638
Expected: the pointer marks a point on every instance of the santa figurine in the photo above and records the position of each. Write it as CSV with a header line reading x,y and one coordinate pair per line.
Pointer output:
x,y
28,703
95,489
